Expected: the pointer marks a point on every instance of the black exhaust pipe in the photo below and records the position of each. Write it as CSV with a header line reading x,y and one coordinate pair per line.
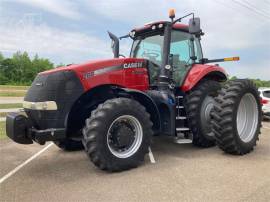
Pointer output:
x,y
115,44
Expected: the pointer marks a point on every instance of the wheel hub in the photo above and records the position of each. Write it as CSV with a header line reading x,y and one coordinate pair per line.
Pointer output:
x,y
205,116
124,136
247,117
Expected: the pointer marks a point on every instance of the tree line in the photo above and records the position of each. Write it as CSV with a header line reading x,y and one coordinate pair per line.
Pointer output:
x,y
258,82
20,69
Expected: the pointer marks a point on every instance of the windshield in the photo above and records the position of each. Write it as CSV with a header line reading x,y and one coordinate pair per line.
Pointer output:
x,y
151,48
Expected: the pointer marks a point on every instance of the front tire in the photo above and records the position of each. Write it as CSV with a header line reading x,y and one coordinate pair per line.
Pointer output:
x,y
117,135
237,117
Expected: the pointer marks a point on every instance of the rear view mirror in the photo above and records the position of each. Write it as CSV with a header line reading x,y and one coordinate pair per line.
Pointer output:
x,y
194,26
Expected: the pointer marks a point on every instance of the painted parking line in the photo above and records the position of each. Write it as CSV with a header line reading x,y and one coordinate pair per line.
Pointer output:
x,y
151,156
265,127
8,175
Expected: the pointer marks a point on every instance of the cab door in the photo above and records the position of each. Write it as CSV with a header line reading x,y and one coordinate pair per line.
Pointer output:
x,y
181,52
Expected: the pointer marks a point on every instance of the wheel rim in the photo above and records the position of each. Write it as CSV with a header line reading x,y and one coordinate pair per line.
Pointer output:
x,y
247,117
124,136
205,116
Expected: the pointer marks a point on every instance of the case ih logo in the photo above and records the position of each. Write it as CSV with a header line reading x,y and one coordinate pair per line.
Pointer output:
x,y
88,75
133,65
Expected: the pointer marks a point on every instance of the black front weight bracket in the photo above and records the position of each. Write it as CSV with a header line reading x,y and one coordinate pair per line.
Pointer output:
x,y
20,130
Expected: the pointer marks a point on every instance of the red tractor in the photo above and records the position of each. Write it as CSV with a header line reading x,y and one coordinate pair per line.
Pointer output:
x,y
113,107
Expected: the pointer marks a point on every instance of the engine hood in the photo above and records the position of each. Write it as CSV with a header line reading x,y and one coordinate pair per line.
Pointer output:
x,y
98,64
117,71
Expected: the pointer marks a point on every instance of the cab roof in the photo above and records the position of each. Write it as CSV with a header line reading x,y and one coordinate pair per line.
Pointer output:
x,y
148,26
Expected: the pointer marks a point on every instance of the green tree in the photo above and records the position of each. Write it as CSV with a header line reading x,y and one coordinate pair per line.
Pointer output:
x,y
23,68
258,82
40,65
1,57
20,69
6,68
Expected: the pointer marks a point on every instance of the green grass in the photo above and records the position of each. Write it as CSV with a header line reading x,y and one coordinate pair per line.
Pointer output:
x,y
12,93
11,105
3,114
3,130
10,87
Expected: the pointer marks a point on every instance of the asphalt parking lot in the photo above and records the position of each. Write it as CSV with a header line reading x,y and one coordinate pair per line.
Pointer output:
x,y
181,173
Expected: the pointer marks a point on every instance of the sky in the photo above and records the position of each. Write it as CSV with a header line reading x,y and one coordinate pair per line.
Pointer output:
x,y
75,31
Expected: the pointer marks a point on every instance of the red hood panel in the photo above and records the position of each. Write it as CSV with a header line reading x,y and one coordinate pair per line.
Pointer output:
x,y
94,65
124,72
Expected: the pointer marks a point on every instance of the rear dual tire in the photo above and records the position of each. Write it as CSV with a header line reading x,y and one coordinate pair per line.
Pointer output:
x,y
237,117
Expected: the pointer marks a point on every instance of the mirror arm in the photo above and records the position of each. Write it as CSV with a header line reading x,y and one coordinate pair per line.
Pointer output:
x,y
123,37
179,19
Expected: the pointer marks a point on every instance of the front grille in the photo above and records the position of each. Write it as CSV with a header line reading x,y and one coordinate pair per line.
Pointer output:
x,y
63,87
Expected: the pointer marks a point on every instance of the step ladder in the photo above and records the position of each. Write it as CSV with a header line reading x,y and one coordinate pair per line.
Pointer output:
x,y
182,130
180,110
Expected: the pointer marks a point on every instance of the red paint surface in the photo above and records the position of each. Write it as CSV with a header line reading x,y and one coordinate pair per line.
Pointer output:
x,y
134,78
149,25
180,26
197,72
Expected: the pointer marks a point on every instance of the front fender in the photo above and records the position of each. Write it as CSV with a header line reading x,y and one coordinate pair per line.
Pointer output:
x,y
199,72
150,105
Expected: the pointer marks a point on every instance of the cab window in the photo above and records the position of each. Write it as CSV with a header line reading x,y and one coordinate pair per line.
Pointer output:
x,y
149,48
181,51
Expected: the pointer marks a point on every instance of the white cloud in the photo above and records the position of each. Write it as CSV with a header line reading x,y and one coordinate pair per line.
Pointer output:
x,y
136,12
227,25
63,8
229,28
52,42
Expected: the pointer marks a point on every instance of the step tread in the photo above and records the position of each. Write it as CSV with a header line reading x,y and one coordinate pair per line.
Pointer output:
x,y
181,117
179,107
182,129
182,141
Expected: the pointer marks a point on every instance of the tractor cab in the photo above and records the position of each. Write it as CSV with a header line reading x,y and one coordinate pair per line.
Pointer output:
x,y
185,49
170,47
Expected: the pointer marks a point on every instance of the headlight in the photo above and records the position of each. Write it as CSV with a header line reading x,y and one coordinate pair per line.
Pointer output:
x,y
47,105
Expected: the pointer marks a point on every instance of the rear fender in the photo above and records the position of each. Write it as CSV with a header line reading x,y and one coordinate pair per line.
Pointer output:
x,y
199,72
